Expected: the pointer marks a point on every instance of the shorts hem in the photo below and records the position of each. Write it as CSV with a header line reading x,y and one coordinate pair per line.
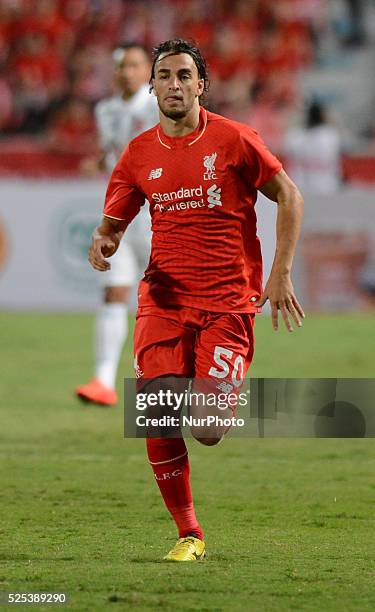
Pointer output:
x,y
171,306
141,382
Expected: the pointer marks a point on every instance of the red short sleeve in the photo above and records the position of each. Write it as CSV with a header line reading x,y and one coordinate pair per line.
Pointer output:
x,y
123,199
259,165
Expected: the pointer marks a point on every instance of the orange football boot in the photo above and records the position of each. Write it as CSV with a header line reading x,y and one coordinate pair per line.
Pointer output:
x,y
97,393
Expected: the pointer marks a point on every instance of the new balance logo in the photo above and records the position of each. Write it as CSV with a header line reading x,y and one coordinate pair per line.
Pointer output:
x,y
214,196
155,174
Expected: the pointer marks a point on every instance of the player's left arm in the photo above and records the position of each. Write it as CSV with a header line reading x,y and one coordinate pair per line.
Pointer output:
x,y
279,289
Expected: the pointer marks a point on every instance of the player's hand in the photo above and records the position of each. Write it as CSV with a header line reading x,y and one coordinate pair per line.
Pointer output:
x,y
102,247
280,293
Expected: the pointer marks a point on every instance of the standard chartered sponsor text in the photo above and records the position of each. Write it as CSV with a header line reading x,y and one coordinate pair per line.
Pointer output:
x,y
195,192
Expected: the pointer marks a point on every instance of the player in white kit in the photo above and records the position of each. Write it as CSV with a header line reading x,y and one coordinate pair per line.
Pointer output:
x,y
119,119
313,153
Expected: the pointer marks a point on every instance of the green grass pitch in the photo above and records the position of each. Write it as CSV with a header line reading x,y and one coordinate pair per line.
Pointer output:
x,y
289,523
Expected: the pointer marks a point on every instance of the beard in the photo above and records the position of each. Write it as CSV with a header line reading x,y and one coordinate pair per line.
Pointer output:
x,y
176,113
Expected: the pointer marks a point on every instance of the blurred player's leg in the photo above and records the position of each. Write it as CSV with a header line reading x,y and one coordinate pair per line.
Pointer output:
x,y
111,334
111,327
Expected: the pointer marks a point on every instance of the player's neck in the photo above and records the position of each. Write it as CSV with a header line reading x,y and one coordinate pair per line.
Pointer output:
x,y
181,127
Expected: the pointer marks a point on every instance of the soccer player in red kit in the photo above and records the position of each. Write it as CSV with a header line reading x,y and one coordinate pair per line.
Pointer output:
x,y
200,173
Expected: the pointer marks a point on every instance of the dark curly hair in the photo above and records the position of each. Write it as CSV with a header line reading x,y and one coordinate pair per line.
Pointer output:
x,y
175,46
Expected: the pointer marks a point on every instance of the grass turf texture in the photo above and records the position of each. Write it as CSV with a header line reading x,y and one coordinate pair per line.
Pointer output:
x,y
289,524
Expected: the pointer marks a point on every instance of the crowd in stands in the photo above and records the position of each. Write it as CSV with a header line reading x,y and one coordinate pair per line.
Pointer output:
x,y
56,58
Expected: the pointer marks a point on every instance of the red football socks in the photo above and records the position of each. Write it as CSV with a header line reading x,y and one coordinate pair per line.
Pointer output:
x,y
169,461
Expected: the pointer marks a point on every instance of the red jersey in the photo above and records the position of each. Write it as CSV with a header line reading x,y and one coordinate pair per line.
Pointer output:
x,y
202,189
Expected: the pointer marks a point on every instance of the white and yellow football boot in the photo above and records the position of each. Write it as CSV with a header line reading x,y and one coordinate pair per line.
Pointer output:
x,y
187,549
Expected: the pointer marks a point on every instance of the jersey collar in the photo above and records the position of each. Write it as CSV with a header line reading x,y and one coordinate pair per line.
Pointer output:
x,y
170,142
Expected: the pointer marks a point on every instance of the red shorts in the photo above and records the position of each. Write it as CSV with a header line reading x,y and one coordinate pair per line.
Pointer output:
x,y
191,343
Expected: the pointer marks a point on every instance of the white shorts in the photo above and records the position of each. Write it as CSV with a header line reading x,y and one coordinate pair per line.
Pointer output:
x,y
131,258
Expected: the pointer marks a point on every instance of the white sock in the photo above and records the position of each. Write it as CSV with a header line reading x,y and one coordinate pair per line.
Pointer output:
x,y
111,333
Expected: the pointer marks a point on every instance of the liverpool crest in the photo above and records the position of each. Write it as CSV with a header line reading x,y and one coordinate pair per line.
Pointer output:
x,y
209,164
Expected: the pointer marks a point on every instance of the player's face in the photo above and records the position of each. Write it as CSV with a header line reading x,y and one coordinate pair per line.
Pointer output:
x,y
132,71
177,84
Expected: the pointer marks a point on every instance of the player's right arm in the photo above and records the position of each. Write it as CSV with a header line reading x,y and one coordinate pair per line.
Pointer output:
x,y
105,241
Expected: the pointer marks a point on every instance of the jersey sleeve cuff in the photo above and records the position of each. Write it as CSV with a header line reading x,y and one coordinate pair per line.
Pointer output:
x,y
271,175
111,217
